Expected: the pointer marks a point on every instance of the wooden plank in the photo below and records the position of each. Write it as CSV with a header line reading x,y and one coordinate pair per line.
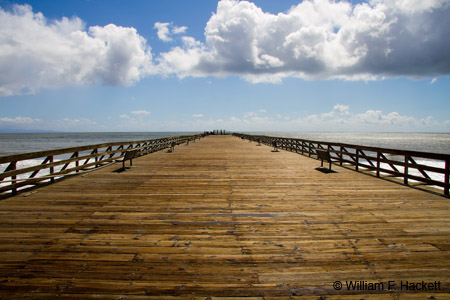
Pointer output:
x,y
222,219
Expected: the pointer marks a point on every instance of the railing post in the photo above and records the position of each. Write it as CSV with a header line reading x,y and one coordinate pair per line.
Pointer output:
x,y
342,155
13,167
405,171
446,177
52,169
77,162
378,163
96,157
357,160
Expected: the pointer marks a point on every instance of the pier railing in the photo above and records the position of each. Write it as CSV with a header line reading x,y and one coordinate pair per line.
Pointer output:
x,y
27,170
412,167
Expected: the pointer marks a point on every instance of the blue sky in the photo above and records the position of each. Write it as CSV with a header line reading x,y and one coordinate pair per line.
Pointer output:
x,y
102,65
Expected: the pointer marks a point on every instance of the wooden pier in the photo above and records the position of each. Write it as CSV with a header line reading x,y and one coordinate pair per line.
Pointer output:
x,y
222,218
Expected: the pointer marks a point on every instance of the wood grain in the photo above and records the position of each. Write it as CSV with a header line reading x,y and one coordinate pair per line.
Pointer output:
x,y
222,218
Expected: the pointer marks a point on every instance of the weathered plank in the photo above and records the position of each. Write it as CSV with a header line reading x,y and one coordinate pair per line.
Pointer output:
x,y
223,219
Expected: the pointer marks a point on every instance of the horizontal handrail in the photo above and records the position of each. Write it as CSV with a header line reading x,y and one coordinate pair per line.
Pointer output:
x,y
18,175
394,162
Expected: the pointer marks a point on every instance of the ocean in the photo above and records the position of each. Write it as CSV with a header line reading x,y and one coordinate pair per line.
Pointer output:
x,y
427,142
11,143
14,143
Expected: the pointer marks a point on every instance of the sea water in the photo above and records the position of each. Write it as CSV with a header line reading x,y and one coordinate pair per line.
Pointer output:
x,y
12,143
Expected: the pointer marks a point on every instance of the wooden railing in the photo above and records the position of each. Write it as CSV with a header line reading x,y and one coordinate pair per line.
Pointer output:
x,y
26,170
410,166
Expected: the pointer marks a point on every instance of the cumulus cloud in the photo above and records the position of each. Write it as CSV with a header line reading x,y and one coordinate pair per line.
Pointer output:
x,y
320,39
316,39
37,53
165,30
339,118
338,110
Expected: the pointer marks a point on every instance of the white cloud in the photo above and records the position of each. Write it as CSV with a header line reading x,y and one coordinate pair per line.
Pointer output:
x,y
411,6
339,118
320,39
65,124
178,30
317,39
5,121
165,30
338,110
38,53
140,112
376,117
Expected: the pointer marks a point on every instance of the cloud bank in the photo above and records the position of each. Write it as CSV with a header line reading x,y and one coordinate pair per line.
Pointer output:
x,y
316,39
65,124
36,53
320,39
339,118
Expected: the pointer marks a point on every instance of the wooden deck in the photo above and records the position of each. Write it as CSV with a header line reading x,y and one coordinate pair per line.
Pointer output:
x,y
223,218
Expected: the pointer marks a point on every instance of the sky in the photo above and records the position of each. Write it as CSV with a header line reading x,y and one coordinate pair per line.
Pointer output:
x,y
261,65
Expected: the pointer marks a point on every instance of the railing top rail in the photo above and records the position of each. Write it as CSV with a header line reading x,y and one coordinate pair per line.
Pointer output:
x,y
37,154
430,155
